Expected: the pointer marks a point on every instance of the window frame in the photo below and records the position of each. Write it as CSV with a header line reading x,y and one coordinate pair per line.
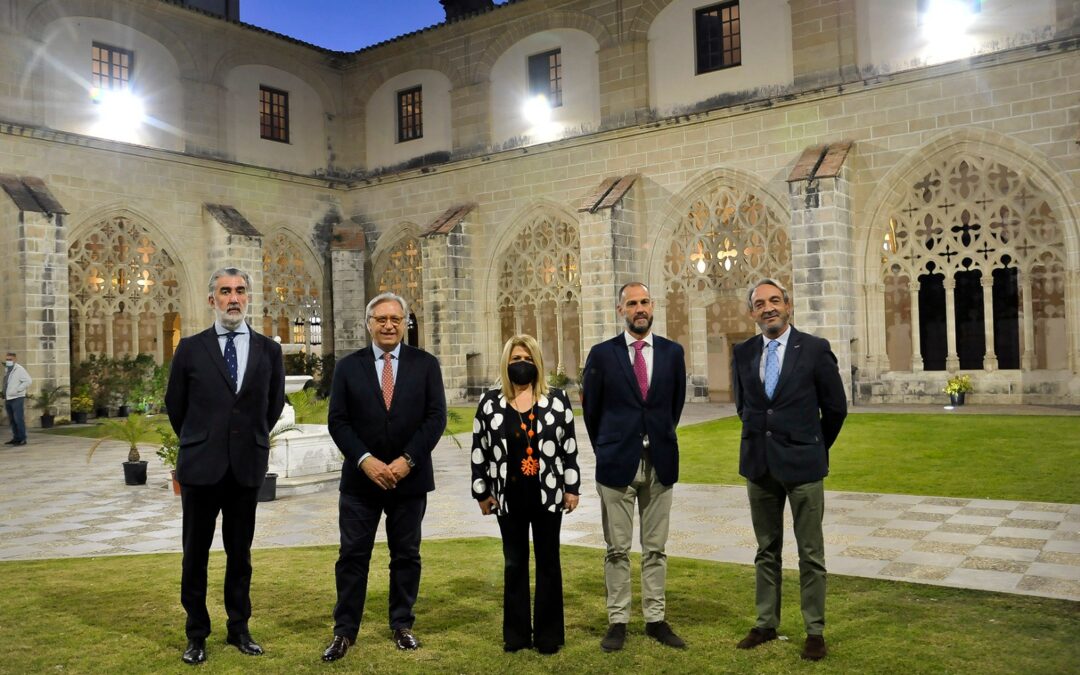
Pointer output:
x,y
728,58
409,114
267,129
550,84
108,81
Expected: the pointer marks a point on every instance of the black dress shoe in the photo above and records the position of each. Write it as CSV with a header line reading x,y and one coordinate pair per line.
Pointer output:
x,y
662,633
404,639
337,649
245,643
11,442
195,652
757,636
19,443
615,638
814,649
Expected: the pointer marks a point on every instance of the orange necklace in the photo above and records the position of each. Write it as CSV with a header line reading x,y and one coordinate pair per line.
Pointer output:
x,y
529,465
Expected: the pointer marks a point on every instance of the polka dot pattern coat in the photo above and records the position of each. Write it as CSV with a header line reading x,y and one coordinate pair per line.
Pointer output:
x,y
555,442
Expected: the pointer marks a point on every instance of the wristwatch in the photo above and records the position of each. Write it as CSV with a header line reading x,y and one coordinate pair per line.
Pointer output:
x,y
409,460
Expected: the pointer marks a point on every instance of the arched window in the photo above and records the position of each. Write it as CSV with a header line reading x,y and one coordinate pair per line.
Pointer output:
x,y
727,239
289,289
125,293
540,289
974,273
401,271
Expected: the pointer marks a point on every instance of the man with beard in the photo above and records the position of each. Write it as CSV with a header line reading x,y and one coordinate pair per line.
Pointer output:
x,y
226,391
632,397
792,404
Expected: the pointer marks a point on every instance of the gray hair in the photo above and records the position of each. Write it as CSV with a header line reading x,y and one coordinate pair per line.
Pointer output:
x,y
384,297
228,272
766,282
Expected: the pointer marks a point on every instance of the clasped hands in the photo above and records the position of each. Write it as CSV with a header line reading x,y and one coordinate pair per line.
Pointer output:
x,y
385,475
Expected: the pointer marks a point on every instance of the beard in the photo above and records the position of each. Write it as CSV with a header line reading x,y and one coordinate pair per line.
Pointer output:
x,y
229,321
630,321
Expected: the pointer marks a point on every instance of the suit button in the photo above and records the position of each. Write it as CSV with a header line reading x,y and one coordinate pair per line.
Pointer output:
x,y
769,411
768,434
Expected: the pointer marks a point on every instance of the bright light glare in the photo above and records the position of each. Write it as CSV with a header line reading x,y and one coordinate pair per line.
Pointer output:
x,y
945,26
537,111
120,114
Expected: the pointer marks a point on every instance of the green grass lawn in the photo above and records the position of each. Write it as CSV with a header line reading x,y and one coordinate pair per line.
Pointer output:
x,y
122,615
1031,458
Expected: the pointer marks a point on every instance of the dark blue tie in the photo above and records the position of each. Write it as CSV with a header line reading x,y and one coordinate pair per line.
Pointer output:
x,y
230,355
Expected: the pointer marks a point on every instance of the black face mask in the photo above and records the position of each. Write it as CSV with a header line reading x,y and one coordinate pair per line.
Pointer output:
x,y
522,372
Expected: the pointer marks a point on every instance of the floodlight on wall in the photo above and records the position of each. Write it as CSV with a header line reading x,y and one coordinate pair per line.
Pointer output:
x,y
120,113
537,113
945,26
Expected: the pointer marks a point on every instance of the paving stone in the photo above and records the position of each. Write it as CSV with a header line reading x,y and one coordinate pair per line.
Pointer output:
x,y
914,571
870,552
987,512
1030,524
961,528
924,516
1022,532
1057,588
991,521
995,564
1014,542
945,547
1006,552
989,580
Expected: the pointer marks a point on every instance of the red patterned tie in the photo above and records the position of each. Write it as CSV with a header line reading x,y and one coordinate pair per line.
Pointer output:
x,y
387,379
641,371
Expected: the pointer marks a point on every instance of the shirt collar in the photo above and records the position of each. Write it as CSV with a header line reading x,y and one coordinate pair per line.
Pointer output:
x,y
783,339
396,351
631,339
221,330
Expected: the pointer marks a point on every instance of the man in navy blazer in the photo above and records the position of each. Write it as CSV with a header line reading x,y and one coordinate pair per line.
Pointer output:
x,y
792,403
225,393
387,413
632,397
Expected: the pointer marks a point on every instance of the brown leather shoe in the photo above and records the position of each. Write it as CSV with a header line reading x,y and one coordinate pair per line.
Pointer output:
x,y
756,637
337,649
404,639
814,649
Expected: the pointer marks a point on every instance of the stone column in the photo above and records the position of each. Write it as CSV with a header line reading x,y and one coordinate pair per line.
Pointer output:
x,y
451,325
347,266
916,334
990,361
822,263
609,246
34,264
1027,355
952,361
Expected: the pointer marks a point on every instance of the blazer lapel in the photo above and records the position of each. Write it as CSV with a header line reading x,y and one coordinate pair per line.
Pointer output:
x,y
791,355
255,349
209,340
622,355
755,349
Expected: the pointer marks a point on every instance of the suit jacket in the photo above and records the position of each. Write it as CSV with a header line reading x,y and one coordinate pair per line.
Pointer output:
x,y
789,436
555,446
616,417
360,423
221,429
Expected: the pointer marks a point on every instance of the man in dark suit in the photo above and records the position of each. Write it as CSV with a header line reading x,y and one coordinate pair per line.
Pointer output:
x,y
632,397
226,391
792,403
387,413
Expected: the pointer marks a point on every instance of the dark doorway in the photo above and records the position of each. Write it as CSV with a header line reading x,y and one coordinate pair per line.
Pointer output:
x,y
932,341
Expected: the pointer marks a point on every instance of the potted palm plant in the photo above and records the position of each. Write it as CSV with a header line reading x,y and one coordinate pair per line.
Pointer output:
x,y
957,387
82,404
168,453
130,430
47,400
268,489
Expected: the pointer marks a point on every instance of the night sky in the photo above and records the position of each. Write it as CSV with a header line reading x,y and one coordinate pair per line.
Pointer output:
x,y
343,25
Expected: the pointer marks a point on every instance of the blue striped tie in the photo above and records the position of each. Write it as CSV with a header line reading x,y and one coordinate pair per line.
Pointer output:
x,y
230,355
772,368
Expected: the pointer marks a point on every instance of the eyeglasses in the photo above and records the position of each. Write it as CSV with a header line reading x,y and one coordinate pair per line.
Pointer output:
x,y
383,320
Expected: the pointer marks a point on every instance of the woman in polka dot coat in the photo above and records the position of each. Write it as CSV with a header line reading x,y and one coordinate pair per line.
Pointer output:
x,y
525,472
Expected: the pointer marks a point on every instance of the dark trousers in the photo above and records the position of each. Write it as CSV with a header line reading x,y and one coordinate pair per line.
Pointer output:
x,y
518,633
14,409
358,521
201,505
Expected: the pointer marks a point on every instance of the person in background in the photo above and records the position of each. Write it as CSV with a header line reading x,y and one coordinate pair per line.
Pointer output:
x,y
16,383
